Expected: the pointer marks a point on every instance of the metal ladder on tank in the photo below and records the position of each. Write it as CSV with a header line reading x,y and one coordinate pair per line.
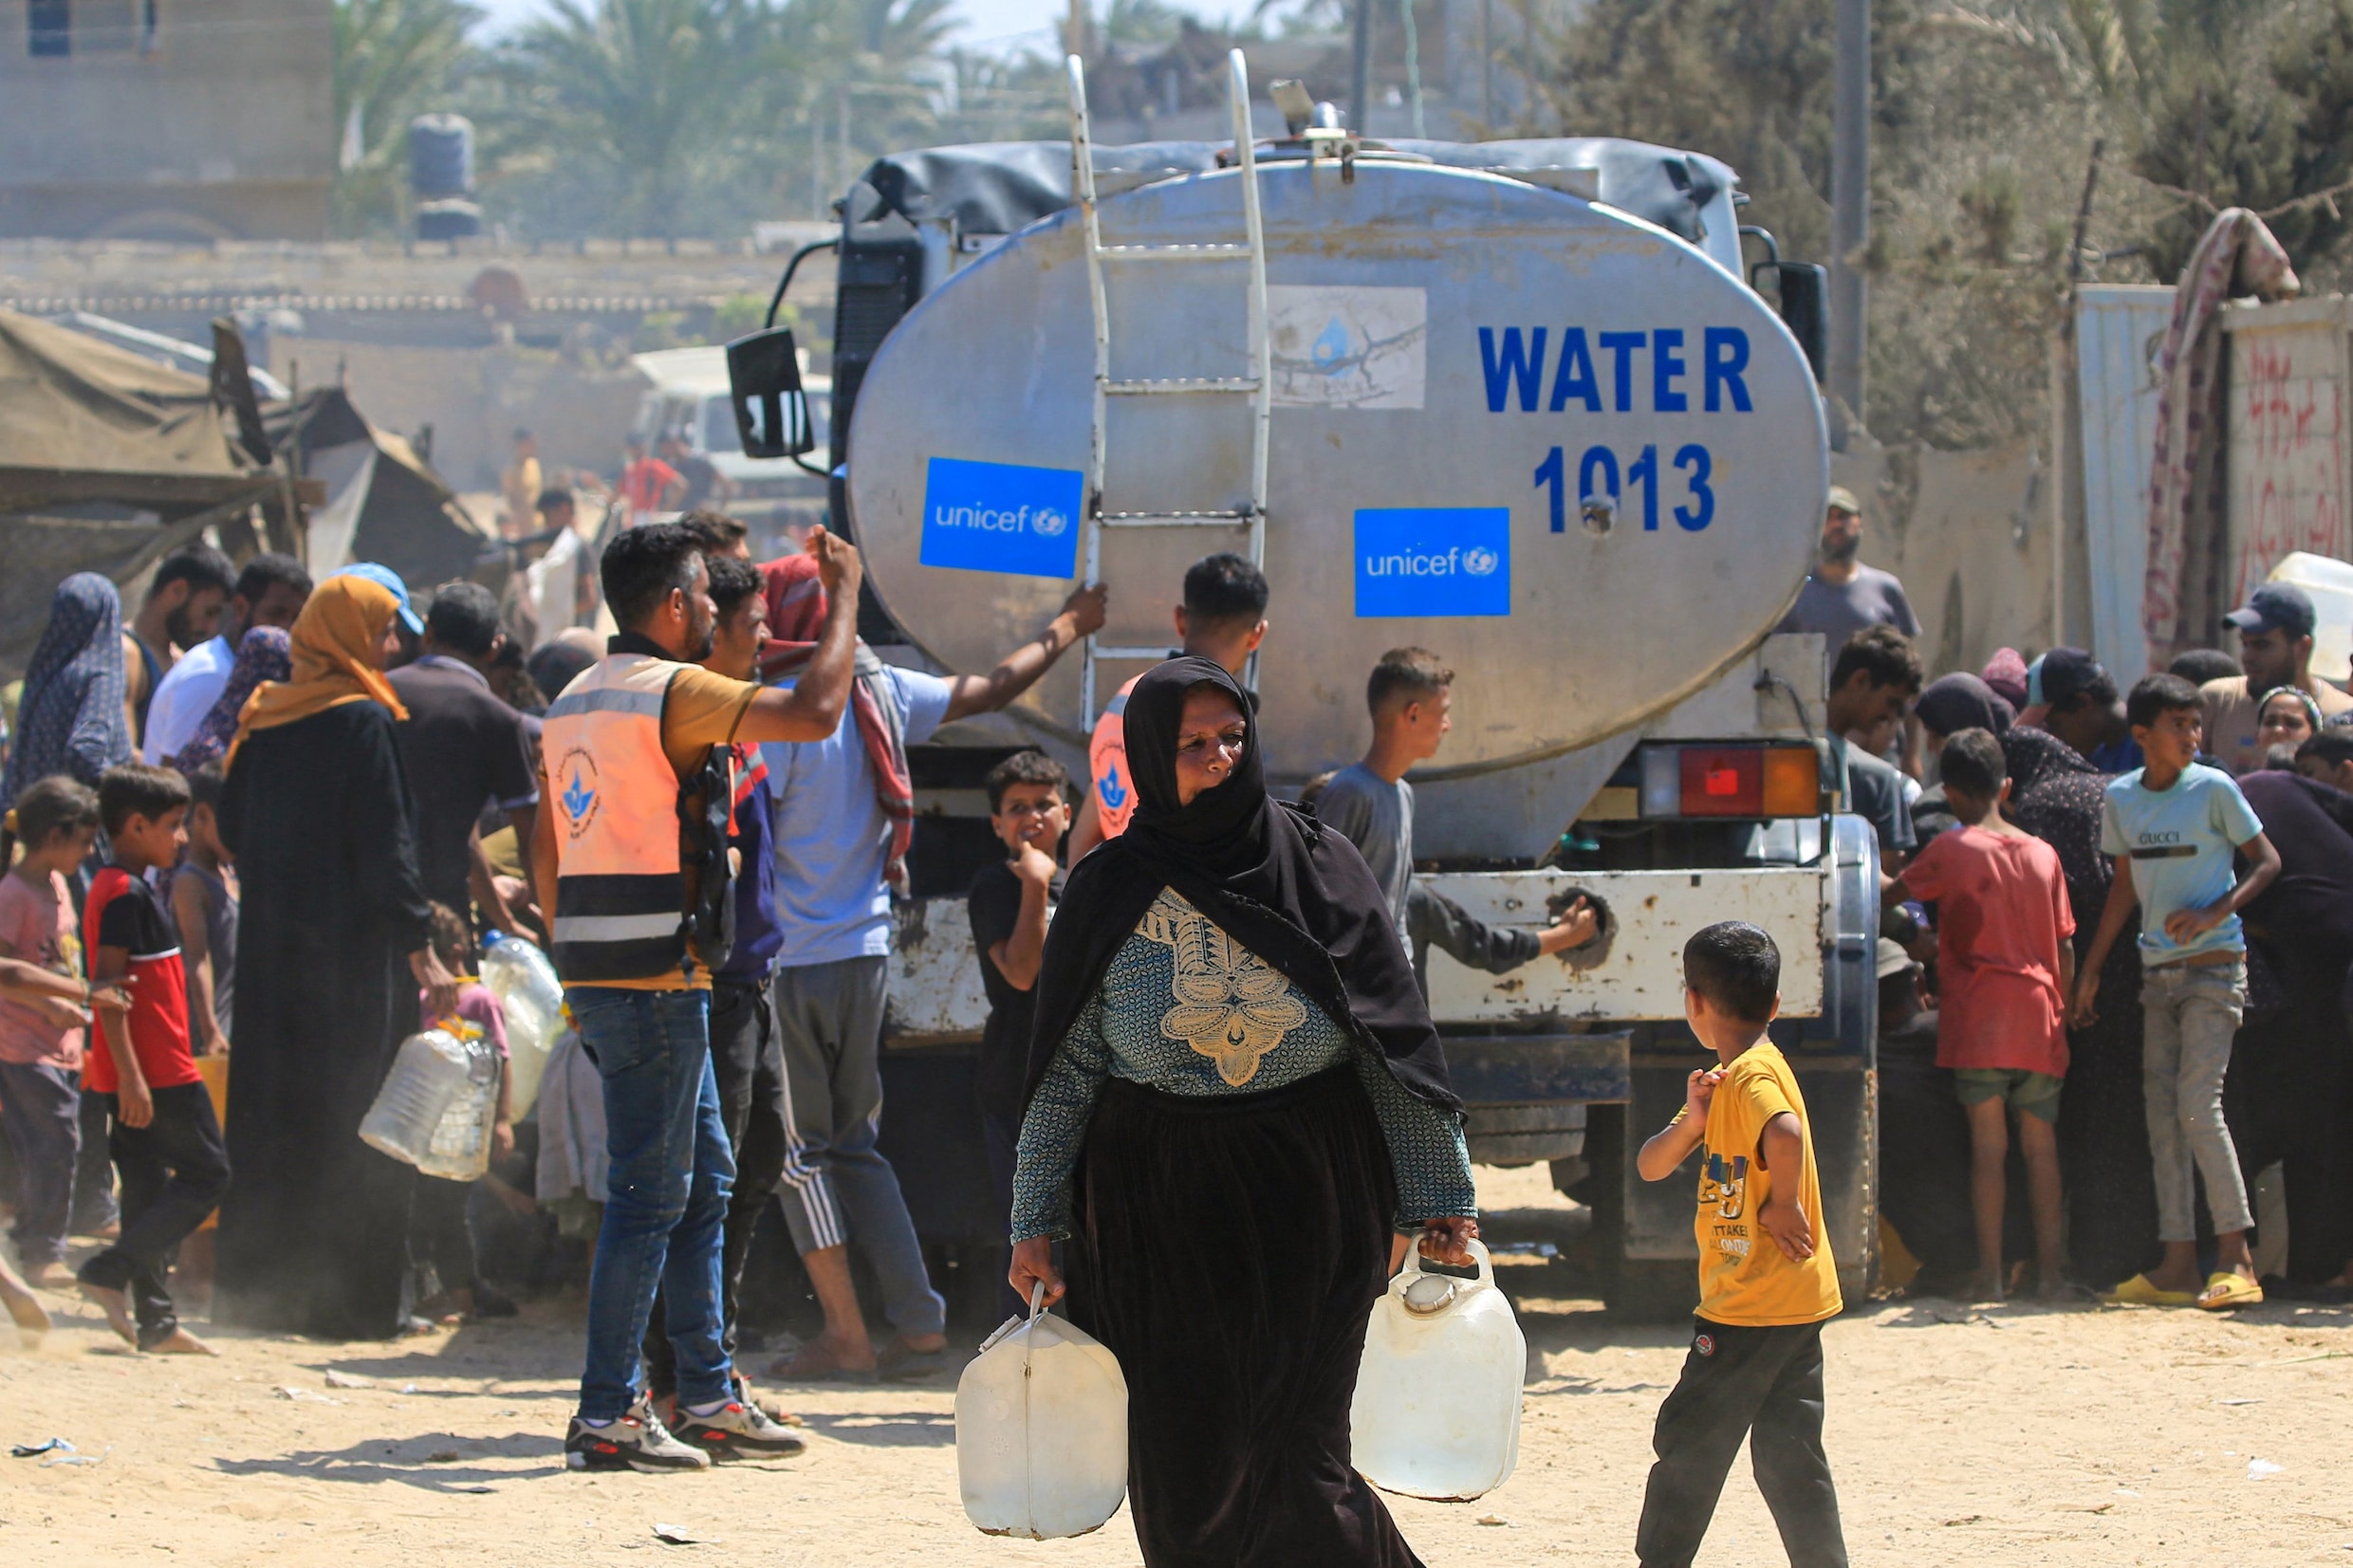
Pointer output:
x,y
1258,385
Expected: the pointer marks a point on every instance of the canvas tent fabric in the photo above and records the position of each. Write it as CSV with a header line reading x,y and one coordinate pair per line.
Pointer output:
x,y
407,518
71,401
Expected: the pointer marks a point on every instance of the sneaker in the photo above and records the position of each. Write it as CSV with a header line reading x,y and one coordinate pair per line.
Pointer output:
x,y
737,1431
638,1441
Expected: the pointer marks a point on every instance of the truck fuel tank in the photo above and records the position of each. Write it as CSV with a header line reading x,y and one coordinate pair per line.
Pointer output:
x,y
1558,446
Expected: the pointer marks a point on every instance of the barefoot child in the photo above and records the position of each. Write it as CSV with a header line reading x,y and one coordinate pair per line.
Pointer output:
x,y
165,1139
44,1001
2173,826
2005,968
1767,1280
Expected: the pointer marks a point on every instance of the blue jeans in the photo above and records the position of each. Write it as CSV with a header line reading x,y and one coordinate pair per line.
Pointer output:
x,y
670,1180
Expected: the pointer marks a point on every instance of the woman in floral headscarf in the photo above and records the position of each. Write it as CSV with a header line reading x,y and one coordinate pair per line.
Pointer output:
x,y
266,653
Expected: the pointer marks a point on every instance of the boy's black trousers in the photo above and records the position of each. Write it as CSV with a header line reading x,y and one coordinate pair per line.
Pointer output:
x,y
174,1172
1764,1384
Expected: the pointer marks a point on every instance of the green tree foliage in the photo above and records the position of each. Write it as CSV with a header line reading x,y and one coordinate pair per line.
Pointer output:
x,y
1984,114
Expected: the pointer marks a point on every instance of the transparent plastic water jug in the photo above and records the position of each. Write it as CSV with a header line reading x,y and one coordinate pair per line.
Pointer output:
x,y
1437,1412
432,1067
1041,1429
531,998
460,1149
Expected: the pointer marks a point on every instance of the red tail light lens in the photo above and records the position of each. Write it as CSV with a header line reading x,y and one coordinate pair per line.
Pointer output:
x,y
1723,780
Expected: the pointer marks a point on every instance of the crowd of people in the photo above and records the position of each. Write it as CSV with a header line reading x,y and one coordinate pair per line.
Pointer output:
x,y
2116,958
280,821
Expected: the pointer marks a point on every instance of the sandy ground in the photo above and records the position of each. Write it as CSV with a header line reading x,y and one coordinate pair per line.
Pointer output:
x,y
2010,1435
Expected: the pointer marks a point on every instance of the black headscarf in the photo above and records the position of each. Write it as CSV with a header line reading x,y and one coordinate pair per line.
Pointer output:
x,y
1953,702
1290,890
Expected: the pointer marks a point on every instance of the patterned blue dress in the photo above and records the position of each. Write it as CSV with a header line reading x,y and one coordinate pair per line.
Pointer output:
x,y
1185,1009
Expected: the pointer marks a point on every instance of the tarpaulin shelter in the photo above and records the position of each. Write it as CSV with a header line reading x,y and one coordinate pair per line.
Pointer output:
x,y
383,502
108,461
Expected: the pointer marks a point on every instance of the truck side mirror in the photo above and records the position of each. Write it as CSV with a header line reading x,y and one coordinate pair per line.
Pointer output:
x,y
764,382
1800,289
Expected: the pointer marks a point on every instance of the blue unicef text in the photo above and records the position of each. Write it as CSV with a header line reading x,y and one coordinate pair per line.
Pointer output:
x,y
1002,517
1434,560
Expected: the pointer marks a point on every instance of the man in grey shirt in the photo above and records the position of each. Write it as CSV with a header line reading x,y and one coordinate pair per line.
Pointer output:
x,y
1842,595
1877,675
1369,803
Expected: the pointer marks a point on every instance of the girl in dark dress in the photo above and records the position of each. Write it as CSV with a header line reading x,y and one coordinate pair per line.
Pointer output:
x,y
331,952
2103,1131
1236,1098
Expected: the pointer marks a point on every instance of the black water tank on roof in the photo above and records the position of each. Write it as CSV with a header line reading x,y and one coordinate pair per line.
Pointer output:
x,y
440,157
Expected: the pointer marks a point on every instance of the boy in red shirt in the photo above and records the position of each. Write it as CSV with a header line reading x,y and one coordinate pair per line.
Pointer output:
x,y
165,1140
2005,966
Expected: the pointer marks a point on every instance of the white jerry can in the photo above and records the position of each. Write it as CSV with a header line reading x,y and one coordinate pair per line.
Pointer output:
x,y
1437,1412
1041,1429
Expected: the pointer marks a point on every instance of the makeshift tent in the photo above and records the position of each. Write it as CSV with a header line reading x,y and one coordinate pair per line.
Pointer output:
x,y
384,503
107,461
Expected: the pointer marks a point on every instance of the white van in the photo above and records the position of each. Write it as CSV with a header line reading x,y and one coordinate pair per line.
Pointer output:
x,y
687,395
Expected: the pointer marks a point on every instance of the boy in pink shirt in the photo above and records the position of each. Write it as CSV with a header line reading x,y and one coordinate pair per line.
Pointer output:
x,y
2005,966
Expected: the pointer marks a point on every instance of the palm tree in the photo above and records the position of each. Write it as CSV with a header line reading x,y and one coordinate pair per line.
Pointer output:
x,y
637,94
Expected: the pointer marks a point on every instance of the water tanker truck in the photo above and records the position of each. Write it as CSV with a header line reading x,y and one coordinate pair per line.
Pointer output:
x,y
1521,403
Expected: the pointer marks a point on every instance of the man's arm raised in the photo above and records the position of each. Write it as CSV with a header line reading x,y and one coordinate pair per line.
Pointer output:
x,y
813,709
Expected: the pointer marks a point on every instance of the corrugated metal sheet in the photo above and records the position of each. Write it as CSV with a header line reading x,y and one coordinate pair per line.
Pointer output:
x,y
2120,329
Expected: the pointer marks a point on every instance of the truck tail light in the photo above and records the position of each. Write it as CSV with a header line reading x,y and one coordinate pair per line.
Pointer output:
x,y
1793,780
1751,781
1723,780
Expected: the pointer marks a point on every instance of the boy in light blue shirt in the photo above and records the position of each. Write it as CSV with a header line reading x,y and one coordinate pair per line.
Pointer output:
x,y
2175,827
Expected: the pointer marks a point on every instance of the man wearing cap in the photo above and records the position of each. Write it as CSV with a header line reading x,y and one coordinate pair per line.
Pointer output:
x,y
1842,595
2072,696
2275,650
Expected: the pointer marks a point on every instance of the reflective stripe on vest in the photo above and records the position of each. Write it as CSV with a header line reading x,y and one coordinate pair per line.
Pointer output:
x,y
1106,766
619,896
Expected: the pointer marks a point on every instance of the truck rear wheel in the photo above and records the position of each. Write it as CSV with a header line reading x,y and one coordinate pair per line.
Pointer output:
x,y
1636,1290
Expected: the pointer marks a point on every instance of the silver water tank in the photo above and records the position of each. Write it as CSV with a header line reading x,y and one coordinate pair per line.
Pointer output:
x,y
1556,445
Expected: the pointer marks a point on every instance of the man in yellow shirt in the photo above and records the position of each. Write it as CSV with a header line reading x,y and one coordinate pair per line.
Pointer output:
x,y
625,754
1767,1279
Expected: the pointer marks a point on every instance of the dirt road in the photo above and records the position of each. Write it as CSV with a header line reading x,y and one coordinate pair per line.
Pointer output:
x,y
2015,1435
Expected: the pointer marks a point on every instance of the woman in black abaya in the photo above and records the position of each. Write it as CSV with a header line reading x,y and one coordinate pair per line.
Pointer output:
x,y
330,955
1236,1098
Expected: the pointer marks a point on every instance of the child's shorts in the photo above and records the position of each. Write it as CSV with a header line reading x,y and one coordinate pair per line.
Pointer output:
x,y
2034,1093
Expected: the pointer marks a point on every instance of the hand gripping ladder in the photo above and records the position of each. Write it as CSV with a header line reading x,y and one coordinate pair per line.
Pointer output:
x,y
1257,386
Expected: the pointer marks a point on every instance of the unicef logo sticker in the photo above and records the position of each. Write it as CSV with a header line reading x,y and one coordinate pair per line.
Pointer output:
x,y
1002,517
1480,561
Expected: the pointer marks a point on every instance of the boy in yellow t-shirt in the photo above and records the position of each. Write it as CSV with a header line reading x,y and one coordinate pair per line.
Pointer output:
x,y
1767,1280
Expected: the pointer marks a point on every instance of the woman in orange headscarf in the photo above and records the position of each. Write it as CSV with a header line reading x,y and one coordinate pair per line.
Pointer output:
x,y
331,950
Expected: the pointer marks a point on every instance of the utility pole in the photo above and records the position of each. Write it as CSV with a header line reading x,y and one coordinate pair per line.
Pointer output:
x,y
1850,202
1360,75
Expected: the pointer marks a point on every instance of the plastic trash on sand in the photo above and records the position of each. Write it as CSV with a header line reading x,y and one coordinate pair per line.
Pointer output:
x,y
1437,1412
1041,1429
